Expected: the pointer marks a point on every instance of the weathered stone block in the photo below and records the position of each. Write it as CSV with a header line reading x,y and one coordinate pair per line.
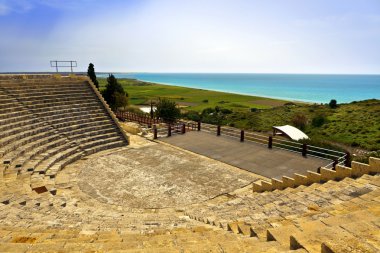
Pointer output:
x,y
327,174
343,171
257,187
288,181
374,164
300,179
359,169
313,177
277,184
267,186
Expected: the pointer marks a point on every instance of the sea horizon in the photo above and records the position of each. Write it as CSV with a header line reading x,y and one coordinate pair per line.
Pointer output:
x,y
311,88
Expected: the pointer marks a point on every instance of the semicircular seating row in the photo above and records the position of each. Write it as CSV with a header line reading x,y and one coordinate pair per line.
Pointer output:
x,y
47,123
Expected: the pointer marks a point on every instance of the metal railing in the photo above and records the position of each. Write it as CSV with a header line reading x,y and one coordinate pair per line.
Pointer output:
x,y
333,156
63,64
141,119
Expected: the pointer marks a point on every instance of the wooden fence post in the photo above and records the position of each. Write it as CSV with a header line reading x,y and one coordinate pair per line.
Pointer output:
x,y
199,125
304,149
218,130
154,132
169,130
335,163
270,142
347,161
242,135
183,130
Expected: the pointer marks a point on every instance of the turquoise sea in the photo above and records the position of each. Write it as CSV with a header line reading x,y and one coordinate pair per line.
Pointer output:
x,y
301,87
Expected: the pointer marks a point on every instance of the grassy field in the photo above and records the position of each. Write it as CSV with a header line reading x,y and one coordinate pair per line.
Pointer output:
x,y
194,99
355,125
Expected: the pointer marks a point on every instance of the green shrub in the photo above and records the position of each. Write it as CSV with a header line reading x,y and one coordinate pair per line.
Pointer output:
x,y
167,110
319,120
333,104
354,144
225,111
208,110
299,120
192,115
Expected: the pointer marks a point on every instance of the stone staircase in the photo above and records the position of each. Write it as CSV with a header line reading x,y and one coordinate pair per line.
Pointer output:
x,y
329,217
47,123
197,239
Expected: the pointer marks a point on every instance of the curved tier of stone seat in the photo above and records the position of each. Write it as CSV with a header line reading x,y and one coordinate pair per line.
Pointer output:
x,y
44,126
308,217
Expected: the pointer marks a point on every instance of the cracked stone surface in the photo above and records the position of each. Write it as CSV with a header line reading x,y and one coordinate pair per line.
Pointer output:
x,y
158,176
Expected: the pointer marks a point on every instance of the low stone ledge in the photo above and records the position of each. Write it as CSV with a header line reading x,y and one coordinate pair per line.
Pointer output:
x,y
313,177
359,169
327,174
374,164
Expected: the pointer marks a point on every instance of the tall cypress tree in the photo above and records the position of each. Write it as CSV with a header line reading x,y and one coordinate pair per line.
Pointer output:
x,y
112,90
92,75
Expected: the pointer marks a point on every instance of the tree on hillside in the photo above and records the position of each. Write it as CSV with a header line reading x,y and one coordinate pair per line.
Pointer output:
x,y
114,93
167,110
299,120
91,74
121,100
333,104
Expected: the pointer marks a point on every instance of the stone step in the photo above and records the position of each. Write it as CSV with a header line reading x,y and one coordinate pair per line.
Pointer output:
x,y
65,111
46,102
315,233
25,89
54,169
20,162
90,129
70,149
98,148
8,115
72,107
24,121
18,133
25,144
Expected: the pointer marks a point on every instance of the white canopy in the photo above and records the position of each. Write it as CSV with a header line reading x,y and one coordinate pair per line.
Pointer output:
x,y
291,131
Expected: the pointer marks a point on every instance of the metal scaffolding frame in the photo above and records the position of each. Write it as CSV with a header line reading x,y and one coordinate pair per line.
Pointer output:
x,y
63,64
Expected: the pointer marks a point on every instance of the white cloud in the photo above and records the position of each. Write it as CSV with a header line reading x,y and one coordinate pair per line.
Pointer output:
x,y
18,6
21,6
66,4
4,9
193,36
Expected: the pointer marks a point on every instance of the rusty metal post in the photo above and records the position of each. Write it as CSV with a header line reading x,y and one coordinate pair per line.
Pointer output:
x,y
304,149
335,163
199,125
183,130
151,110
169,130
347,161
218,130
270,142
154,132
242,135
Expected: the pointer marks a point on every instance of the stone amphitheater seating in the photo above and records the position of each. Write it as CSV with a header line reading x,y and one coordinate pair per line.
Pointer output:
x,y
47,123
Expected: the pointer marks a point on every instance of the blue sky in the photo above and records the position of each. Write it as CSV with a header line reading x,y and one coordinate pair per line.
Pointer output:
x,y
266,36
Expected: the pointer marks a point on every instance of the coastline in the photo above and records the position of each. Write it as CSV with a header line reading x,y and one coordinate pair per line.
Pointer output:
x,y
301,88
233,92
